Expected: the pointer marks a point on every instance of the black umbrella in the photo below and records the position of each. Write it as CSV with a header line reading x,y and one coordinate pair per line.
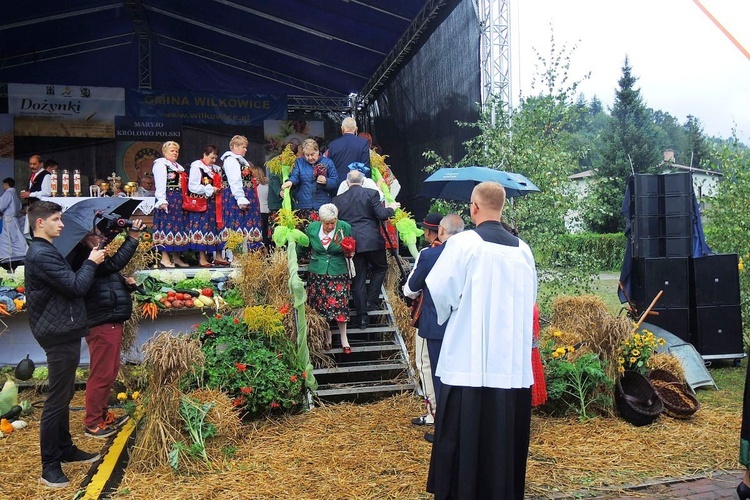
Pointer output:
x,y
80,218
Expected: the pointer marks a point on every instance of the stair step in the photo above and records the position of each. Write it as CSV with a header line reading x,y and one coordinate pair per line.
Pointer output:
x,y
364,346
360,368
369,329
364,389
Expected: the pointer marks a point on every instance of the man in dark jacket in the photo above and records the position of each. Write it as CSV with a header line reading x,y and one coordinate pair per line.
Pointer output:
x,y
57,316
361,208
348,148
108,305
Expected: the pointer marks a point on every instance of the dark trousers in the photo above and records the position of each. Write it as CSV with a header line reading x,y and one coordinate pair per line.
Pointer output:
x,y
433,351
377,261
104,349
54,428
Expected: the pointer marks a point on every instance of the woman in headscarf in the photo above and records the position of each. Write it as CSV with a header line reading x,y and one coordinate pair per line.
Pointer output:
x,y
328,281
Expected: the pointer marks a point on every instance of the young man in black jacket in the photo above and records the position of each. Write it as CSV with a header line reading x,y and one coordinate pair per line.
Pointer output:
x,y
108,305
57,316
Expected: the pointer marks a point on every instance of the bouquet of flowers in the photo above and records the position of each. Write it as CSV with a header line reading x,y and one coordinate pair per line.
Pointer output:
x,y
349,246
319,169
636,351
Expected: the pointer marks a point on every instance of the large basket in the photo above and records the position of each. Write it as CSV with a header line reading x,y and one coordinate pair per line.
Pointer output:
x,y
637,401
677,399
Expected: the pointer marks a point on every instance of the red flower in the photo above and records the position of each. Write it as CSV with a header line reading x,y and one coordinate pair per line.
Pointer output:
x,y
293,378
195,326
218,316
236,320
239,401
246,390
284,309
209,332
274,404
304,374
241,367
349,246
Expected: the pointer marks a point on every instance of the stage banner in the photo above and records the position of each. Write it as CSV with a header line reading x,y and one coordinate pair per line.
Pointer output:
x,y
139,142
65,110
206,109
278,133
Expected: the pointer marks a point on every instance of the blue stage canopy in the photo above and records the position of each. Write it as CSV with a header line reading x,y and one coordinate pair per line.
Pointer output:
x,y
329,48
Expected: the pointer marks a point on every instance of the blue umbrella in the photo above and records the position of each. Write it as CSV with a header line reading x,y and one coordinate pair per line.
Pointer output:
x,y
457,183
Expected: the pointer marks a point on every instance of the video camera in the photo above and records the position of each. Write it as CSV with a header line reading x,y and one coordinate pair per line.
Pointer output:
x,y
110,226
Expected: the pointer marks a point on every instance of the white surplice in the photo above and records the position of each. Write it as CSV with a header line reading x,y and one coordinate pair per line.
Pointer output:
x,y
486,292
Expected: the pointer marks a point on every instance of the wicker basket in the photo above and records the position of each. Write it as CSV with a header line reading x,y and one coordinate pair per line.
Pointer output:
x,y
677,399
637,401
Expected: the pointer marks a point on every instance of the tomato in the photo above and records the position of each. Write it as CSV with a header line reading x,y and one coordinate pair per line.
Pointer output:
x,y
171,295
208,292
179,296
21,289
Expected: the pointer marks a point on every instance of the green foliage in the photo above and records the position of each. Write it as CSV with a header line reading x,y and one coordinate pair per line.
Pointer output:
x,y
604,251
636,351
233,298
257,371
575,383
193,414
630,144
727,214
192,283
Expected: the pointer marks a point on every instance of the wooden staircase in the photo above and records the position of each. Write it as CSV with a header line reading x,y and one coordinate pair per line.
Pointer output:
x,y
378,365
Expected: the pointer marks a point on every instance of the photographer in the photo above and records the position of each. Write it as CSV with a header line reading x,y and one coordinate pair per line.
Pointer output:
x,y
108,305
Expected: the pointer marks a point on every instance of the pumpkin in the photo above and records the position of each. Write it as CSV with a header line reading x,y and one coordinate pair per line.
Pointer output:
x,y
6,427
25,369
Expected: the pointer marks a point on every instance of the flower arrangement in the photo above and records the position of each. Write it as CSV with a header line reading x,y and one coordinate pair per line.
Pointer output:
x,y
259,372
349,246
576,380
636,351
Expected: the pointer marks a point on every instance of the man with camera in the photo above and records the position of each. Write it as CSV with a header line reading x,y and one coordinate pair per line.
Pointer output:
x,y
108,306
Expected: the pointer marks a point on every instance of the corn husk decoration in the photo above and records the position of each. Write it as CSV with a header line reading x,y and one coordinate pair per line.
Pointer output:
x,y
403,220
286,234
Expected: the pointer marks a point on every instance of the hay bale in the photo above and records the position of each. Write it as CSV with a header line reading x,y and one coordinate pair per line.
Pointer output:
x,y
668,363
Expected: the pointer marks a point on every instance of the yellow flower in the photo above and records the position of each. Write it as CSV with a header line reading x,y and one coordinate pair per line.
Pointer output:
x,y
621,369
135,395
662,341
557,333
122,396
571,348
555,354
633,361
635,352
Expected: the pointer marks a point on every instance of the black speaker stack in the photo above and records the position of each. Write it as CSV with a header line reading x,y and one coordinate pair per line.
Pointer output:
x,y
700,301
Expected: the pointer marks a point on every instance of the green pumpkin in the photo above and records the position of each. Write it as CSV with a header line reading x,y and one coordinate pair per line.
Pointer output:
x,y
24,369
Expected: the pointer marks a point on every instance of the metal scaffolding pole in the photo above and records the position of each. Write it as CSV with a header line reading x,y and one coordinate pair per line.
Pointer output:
x,y
494,26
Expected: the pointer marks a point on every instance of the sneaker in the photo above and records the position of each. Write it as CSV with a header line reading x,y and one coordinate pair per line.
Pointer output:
x,y
80,456
423,420
53,476
101,431
111,421
429,437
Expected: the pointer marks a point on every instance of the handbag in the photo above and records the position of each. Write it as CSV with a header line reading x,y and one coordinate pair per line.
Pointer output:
x,y
191,202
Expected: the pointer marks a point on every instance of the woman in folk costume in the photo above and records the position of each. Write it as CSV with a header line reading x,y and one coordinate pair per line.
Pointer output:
x,y
238,198
170,228
328,279
203,226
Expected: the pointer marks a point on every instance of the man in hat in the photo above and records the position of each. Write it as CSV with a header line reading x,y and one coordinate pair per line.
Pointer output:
x,y
430,335
484,285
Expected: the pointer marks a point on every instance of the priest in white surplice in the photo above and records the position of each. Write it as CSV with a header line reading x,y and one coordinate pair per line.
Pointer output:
x,y
484,284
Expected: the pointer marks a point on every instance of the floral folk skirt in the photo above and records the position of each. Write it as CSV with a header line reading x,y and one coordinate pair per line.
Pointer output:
x,y
329,295
170,227
202,229
245,221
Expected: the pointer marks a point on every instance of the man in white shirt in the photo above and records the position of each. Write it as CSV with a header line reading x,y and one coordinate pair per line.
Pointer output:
x,y
484,285
40,183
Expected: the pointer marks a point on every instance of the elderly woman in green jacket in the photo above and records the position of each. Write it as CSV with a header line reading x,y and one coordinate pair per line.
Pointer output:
x,y
328,282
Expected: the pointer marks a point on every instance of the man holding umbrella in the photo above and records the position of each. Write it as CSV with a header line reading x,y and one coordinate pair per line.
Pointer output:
x,y
57,317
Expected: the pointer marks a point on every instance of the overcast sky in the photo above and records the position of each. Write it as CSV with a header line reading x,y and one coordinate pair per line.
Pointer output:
x,y
683,62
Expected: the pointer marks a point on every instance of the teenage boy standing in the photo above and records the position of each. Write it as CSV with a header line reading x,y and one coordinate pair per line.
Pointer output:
x,y
57,316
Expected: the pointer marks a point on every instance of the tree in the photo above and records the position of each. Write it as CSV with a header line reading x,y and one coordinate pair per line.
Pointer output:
x,y
630,145
697,146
